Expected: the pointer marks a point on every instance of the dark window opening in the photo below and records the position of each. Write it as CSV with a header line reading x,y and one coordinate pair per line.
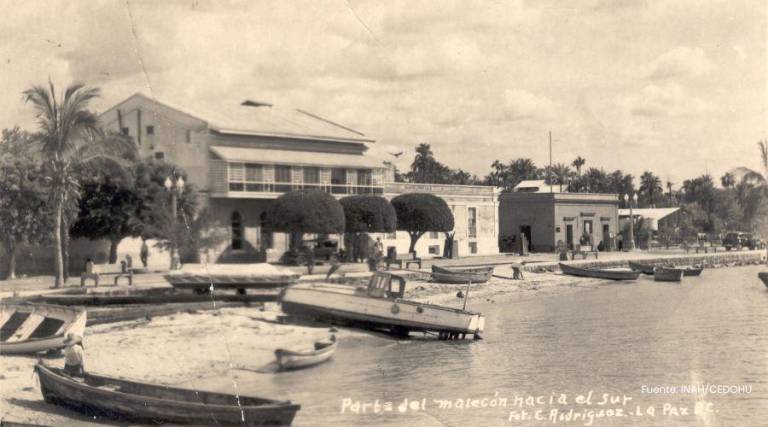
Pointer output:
x,y
150,130
159,155
189,135
125,131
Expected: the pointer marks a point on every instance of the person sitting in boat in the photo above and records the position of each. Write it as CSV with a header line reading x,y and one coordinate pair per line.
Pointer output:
x,y
74,355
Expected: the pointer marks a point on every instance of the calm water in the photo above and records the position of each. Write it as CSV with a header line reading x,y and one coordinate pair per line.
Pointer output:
x,y
614,339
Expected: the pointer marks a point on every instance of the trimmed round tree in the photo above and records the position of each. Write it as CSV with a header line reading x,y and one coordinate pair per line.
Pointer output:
x,y
418,213
306,211
367,214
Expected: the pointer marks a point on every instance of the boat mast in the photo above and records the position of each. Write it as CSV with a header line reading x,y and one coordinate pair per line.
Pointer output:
x,y
466,295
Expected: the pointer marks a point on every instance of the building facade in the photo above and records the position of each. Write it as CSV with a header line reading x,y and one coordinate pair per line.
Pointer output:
x,y
243,155
548,218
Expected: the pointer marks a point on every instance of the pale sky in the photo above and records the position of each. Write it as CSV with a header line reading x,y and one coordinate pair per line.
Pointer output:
x,y
677,87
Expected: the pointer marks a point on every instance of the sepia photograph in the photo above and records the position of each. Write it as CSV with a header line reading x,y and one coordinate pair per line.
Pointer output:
x,y
384,213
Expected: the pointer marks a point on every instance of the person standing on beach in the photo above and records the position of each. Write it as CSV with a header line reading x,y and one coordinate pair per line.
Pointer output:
x,y
74,356
144,253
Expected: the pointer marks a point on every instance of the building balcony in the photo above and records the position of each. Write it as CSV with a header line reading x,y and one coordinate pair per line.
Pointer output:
x,y
272,190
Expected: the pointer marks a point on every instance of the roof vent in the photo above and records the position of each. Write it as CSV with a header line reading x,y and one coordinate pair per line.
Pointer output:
x,y
249,103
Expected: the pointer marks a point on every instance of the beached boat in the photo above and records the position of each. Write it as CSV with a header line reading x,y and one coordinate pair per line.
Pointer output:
x,y
128,400
667,274
235,276
378,306
461,275
599,274
643,268
151,296
692,271
291,359
764,277
32,328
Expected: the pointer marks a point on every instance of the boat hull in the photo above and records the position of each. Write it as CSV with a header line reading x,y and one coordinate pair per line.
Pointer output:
x,y
599,274
120,399
229,281
692,271
764,277
335,303
288,359
29,336
461,276
643,268
668,274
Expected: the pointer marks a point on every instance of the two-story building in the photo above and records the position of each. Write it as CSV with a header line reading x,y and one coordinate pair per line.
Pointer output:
x,y
243,155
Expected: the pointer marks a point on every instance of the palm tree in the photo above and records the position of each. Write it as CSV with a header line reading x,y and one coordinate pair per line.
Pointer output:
x,y
70,140
763,146
728,180
578,163
650,186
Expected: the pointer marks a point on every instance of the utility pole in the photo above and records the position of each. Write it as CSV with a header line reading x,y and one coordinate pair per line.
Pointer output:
x,y
550,162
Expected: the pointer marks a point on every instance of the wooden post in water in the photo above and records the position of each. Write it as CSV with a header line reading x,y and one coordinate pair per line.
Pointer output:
x,y
466,295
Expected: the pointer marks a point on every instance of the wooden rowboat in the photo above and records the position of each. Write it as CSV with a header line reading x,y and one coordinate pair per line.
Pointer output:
x,y
128,400
764,277
599,274
643,268
666,274
322,352
231,276
32,328
461,275
692,271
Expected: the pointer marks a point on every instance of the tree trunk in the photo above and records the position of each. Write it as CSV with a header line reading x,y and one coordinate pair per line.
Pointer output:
x,y
10,248
113,243
65,247
58,257
414,238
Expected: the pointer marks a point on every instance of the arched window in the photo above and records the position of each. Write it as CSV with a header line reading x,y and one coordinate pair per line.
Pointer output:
x,y
237,231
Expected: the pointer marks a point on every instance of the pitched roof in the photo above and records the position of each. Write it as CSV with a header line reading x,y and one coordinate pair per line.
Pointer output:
x,y
249,117
650,213
540,184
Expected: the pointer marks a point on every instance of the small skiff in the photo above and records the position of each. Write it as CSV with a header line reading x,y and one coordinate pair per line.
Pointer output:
x,y
322,352
643,268
599,274
692,271
764,277
155,404
461,275
32,328
667,274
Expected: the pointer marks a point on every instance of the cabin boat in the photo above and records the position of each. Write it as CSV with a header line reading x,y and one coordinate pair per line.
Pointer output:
x,y
667,274
379,306
643,268
32,328
461,275
322,352
599,274
764,277
121,399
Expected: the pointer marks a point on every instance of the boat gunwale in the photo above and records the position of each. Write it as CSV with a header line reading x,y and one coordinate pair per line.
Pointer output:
x,y
308,353
68,323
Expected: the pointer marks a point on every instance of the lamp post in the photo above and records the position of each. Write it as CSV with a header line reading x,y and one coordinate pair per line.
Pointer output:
x,y
630,200
174,186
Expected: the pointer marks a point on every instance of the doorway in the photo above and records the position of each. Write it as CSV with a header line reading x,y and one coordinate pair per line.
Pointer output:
x,y
606,237
569,236
526,231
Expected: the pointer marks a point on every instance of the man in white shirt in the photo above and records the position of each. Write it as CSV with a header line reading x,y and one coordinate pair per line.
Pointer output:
x,y
74,356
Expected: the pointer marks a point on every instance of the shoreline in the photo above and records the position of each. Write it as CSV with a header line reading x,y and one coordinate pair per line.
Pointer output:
x,y
229,343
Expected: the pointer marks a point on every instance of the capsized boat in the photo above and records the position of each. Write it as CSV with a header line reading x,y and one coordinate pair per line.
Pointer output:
x,y
457,275
231,276
763,275
121,399
32,328
379,306
668,274
643,268
599,274
291,359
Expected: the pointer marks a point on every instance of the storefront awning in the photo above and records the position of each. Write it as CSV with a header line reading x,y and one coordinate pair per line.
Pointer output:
x,y
297,158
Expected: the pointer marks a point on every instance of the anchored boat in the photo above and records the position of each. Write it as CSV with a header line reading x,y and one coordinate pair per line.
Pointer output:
x,y
599,274
379,306
129,400
322,352
456,275
692,270
667,274
643,268
32,328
